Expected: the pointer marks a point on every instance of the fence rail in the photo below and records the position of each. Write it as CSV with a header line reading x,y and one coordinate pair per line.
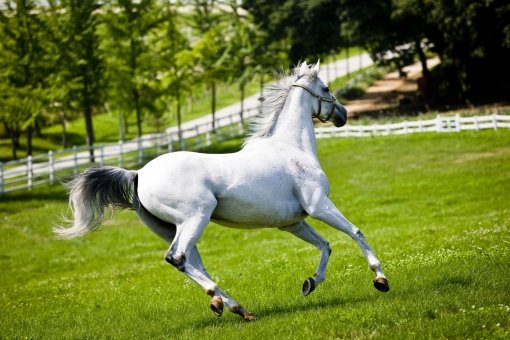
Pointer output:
x,y
57,165
439,124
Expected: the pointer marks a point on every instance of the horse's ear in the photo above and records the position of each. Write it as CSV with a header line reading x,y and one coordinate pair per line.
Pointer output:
x,y
317,66
303,69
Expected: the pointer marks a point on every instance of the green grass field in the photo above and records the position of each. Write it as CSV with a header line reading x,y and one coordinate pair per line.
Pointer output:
x,y
435,208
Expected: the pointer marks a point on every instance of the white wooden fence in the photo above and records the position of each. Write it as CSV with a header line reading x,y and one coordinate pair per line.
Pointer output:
x,y
439,124
56,165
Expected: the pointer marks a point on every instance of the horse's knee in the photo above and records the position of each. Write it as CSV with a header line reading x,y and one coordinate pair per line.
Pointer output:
x,y
176,260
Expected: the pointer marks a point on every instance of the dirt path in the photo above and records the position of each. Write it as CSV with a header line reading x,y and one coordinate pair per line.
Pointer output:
x,y
391,92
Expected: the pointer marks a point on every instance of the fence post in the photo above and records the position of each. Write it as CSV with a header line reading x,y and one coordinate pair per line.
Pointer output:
x,y
29,172
199,138
182,141
457,122
495,121
170,142
51,163
121,143
241,126
231,127
158,144
438,123
477,124
140,150
101,155
208,138
1,178
75,159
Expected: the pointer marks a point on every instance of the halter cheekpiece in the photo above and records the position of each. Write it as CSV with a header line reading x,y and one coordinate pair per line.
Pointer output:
x,y
321,99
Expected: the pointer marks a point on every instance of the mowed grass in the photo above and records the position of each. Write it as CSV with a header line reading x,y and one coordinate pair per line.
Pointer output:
x,y
435,208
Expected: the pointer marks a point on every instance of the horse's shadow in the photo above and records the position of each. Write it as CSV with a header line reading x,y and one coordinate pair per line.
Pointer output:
x,y
279,310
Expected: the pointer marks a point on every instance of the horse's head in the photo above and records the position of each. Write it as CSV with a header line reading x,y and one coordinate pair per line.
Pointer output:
x,y
326,107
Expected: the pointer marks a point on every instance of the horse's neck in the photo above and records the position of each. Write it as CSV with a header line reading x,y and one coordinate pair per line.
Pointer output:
x,y
294,123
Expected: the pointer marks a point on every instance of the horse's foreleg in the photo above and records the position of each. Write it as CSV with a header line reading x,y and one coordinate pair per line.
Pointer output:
x,y
326,211
305,232
183,254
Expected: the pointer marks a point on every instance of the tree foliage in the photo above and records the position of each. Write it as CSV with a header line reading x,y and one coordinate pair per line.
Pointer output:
x,y
63,58
470,36
129,59
23,68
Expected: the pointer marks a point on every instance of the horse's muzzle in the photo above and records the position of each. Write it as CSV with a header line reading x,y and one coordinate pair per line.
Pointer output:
x,y
339,115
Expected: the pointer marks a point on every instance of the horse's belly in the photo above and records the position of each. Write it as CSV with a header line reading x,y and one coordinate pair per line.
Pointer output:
x,y
269,213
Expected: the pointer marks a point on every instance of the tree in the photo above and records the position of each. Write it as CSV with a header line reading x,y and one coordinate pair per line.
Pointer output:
x,y
129,59
472,38
85,66
176,62
213,61
303,28
211,47
241,49
22,69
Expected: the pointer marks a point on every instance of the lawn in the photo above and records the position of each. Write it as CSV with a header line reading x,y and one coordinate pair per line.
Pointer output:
x,y
433,206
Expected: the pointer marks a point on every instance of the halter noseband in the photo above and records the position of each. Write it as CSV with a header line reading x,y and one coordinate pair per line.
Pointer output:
x,y
321,99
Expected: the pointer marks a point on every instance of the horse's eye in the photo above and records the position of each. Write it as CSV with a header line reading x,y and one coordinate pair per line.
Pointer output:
x,y
326,88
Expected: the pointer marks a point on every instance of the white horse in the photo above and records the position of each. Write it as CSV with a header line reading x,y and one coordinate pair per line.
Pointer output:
x,y
274,181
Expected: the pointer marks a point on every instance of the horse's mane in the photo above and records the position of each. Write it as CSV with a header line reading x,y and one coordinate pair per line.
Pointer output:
x,y
274,97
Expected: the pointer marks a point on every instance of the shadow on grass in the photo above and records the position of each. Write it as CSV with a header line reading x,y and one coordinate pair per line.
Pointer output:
x,y
25,199
281,310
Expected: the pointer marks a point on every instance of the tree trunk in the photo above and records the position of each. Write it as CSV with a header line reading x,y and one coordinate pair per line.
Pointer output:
x,y
179,121
241,87
347,62
16,135
261,98
64,129
122,126
261,86
423,60
28,146
136,97
37,128
87,111
213,103
14,143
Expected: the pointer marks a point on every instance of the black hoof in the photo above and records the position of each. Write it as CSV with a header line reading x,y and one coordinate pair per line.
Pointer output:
x,y
308,286
381,284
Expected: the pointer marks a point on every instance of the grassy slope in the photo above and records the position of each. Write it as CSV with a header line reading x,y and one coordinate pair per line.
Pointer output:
x,y
433,206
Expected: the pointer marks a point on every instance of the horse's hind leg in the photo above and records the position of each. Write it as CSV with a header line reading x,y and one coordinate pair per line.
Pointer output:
x,y
184,255
167,231
305,232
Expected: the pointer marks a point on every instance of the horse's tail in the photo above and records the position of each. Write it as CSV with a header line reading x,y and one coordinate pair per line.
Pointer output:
x,y
91,192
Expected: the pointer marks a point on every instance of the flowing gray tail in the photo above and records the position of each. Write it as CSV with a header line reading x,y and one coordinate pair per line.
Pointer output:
x,y
91,192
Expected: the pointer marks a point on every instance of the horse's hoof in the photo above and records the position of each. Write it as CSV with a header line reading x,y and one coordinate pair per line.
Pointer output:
x,y
381,284
249,317
308,286
216,305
